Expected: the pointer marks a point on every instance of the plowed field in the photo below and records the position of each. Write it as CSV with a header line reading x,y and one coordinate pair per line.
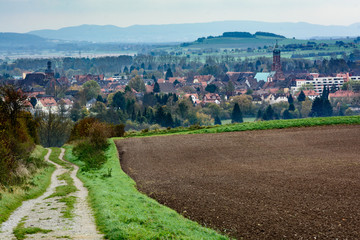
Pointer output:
x,y
297,183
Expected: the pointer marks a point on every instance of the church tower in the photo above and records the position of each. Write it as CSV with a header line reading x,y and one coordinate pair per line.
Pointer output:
x,y
49,72
276,66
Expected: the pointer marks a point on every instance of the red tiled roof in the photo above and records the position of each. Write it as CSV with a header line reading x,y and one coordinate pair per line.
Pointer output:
x,y
48,102
343,94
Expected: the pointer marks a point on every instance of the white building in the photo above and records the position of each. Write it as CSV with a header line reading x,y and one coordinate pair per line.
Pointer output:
x,y
318,83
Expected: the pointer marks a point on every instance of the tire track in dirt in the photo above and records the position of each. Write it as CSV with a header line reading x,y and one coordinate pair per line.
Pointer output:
x,y
46,213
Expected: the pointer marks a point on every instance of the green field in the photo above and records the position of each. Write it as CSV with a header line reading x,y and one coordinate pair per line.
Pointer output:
x,y
250,126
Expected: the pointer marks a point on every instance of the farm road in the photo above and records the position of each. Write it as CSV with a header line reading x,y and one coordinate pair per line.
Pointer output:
x,y
47,213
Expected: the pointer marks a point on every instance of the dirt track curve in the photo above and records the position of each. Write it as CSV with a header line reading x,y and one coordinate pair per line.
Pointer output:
x,y
299,183
47,213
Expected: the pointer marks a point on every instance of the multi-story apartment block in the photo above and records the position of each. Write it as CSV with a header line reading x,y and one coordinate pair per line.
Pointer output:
x,y
318,83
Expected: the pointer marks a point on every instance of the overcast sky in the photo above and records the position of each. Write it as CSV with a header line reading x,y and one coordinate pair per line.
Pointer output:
x,y
27,15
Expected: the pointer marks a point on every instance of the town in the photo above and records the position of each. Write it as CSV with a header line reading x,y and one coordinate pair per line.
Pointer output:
x,y
146,94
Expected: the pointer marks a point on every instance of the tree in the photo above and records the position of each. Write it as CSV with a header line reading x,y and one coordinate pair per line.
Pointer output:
x,y
12,101
91,89
321,106
137,84
236,116
290,99
269,113
301,96
168,74
217,120
211,88
291,107
54,130
33,101
287,115
230,89
156,88
119,101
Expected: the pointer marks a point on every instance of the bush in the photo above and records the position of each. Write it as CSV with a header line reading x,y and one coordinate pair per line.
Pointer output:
x,y
93,157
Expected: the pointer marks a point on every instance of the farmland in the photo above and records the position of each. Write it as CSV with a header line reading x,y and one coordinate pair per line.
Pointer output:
x,y
287,183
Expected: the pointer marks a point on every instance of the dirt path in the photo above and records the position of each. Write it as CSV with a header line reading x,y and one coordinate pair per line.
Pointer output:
x,y
47,213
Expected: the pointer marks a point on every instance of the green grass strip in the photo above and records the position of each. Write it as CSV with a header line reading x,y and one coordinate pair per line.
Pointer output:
x,y
121,212
63,191
54,156
248,126
13,197
20,231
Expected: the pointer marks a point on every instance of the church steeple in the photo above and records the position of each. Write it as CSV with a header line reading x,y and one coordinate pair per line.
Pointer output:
x,y
276,66
49,72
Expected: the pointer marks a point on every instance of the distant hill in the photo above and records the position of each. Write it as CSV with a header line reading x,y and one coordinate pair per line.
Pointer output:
x,y
17,41
236,40
192,31
20,38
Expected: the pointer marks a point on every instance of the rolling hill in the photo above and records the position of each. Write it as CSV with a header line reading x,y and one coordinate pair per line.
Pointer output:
x,y
192,31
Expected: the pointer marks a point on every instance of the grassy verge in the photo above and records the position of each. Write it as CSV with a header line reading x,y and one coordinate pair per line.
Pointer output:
x,y
12,198
247,126
20,231
121,212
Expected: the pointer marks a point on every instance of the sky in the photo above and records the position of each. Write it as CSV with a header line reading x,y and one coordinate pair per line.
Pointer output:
x,y
26,15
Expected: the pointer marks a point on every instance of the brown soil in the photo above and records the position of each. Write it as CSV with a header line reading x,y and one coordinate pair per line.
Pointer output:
x,y
300,183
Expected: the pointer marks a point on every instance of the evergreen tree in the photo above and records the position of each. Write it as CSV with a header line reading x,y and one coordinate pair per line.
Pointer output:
x,y
269,113
153,77
119,101
33,101
290,99
160,115
291,107
321,106
301,97
168,74
217,120
168,121
287,115
236,116
156,88
259,114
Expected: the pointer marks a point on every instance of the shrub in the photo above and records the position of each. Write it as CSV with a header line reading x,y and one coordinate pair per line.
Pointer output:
x,y
93,157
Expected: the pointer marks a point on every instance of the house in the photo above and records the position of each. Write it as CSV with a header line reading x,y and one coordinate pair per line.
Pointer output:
x,y
194,98
343,94
265,76
167,87
81,79
179,79
204,80
46,104
211,98
311,94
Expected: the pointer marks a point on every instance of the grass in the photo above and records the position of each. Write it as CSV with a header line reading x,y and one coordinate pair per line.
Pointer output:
x,y
13,197
54,156
121,212
249,126
63,192
20,231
